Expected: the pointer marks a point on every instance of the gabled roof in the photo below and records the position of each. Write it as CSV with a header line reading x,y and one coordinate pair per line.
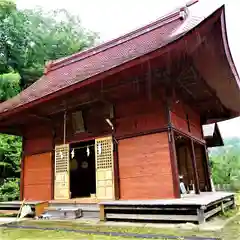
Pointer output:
x,y
99,59
62,74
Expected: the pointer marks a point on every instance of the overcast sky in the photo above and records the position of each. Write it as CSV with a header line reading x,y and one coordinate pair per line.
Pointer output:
x,y
113,18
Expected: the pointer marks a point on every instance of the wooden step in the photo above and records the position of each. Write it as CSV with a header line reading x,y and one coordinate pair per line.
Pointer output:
x,y
62,213
9,212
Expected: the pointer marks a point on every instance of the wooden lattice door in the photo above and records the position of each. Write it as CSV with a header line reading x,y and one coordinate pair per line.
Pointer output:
x,y
104,168
61,184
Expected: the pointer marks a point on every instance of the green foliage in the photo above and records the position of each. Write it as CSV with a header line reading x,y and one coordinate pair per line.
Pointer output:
x,y
9,190
9,85
225,163
10,151
28,39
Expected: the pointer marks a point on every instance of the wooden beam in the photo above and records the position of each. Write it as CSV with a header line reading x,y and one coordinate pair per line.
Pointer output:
x,y
43,118
174,165
116,159
102,215
149,81
22,171
158,130
171,143
187,135
207,168
53,163
194,165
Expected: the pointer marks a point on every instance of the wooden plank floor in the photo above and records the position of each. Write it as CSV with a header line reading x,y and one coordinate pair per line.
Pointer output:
x,y
75,201
203,199
189,208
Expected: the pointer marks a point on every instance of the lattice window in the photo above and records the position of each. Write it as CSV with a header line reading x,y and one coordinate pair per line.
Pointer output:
x,y
61,158
104,153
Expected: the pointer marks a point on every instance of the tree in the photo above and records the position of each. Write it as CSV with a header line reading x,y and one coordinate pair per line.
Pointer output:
x,y
28,39
225,163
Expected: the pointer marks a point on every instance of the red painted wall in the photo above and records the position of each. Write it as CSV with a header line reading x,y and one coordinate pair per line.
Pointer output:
x,y
145,167
37,170
179,113
139,115
37,181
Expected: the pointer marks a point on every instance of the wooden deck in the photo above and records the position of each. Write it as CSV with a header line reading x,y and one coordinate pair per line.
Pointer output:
x,y
13,207
189,208
75,201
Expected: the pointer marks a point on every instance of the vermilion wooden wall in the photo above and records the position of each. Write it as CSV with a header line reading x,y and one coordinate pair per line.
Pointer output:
x,y
139,116
145,167
38,177
184,118
38,165
144,161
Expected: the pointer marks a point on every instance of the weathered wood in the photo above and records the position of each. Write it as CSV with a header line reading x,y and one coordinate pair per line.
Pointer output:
x,y
207,168
151,217
102,215
22,171
205,198
200,215
234,202
217,209
194,164
144,208
173,156
40,208
197,140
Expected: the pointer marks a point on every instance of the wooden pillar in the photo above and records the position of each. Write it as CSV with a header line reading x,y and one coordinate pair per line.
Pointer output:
x,y
171,143
53,162
64,126
207,168
116,167
174,165
194,165
102,215
22,171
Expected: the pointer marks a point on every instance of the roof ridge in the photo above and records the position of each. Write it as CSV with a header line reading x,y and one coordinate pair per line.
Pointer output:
x,y
180,12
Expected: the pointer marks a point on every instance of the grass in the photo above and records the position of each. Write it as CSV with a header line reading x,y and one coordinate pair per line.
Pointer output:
x,y
25,234
231,231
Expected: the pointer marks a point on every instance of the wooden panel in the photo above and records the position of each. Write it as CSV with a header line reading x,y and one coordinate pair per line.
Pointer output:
x,y
139,116
183,164
179,116
200,167
184,118
38,145
38,176
145,167
94,124
179,122
61,184
104,168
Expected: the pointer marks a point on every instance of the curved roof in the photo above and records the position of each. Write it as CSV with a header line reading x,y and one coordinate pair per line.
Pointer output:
x,y
62,74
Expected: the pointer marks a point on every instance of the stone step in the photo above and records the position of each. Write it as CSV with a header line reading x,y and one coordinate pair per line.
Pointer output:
x,y
62,213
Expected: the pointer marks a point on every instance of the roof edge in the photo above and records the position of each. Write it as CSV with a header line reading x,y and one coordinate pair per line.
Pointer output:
x,y
180,12
227,48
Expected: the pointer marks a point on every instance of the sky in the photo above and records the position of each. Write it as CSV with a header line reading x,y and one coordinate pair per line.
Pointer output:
x,y
114,18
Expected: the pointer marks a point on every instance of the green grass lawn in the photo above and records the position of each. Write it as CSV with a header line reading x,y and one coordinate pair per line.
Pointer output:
x,y
231,231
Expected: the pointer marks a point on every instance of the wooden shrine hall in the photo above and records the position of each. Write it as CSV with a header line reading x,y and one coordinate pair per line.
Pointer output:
x,y
123,120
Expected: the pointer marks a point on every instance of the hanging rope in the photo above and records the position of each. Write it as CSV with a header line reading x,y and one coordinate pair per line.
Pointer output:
x,y
87,146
